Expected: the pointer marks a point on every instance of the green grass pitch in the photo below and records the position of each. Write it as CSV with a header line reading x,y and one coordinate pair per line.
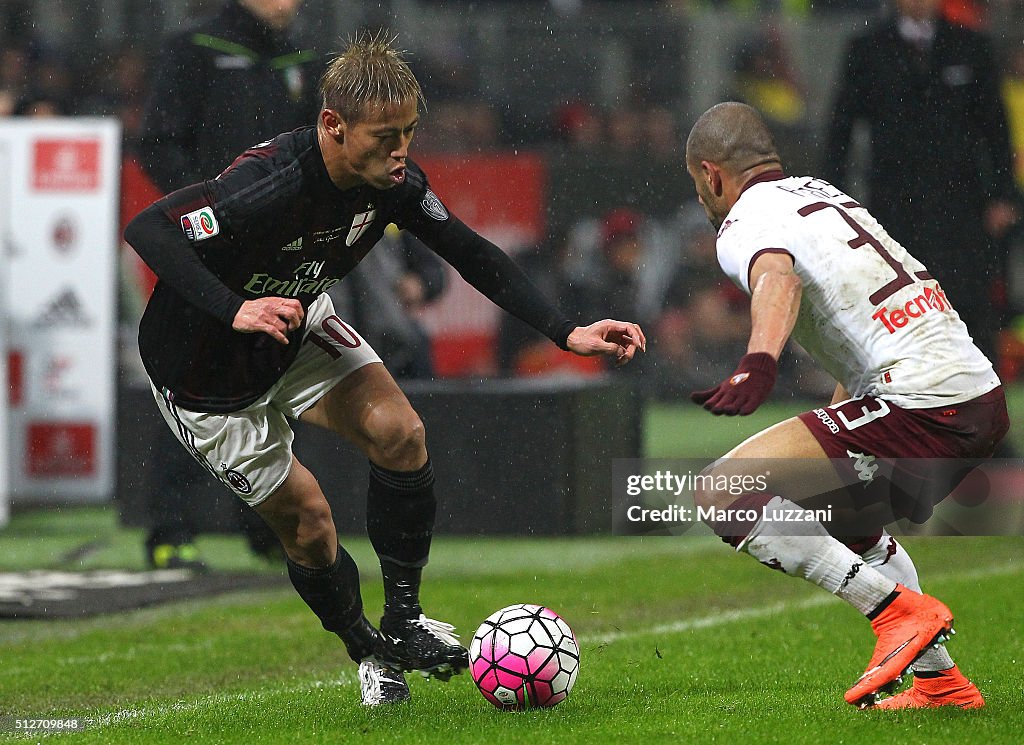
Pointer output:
x,y
681,642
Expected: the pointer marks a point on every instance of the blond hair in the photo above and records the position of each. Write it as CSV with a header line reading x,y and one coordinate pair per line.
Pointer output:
x,y
369,76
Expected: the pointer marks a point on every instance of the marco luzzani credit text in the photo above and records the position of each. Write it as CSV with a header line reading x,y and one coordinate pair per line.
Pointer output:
x,y
848,497
665,497
666,483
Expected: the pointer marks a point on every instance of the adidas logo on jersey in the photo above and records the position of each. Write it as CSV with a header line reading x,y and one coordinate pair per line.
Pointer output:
x,y
295,245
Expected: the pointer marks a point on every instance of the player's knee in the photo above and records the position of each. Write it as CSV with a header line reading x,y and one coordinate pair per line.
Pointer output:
x,y
300,516
315,534
398,437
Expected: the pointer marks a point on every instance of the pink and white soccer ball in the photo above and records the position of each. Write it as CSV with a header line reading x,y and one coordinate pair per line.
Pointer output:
x,y
524,656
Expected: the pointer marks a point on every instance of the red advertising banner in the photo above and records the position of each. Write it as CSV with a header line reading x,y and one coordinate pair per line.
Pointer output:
x,y
137,192
65,165
60,449
503,197
500,195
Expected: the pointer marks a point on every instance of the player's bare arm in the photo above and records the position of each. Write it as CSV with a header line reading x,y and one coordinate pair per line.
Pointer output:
x,y
774,306
774,303
274,316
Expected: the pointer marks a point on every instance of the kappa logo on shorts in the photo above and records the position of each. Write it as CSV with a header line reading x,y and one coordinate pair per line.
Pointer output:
x,y
864,465
433,207
850,575
238,482
200,224
827,420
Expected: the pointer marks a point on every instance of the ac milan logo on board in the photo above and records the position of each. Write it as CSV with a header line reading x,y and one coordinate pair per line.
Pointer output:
x,y
65,235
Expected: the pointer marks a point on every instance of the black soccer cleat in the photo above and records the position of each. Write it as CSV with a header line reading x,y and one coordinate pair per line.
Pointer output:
x,y
423,644
381,684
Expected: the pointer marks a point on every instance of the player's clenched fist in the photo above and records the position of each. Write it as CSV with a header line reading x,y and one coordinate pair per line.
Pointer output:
x,y
275,316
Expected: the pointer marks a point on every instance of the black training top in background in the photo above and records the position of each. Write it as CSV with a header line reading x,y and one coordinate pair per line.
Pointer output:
x,y
274,224
224,84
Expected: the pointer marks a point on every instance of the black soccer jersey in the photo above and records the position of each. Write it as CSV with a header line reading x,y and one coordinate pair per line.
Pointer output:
x,y
274,224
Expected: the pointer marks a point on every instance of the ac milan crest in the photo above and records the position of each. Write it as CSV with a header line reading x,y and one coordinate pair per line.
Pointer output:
x,y
360,223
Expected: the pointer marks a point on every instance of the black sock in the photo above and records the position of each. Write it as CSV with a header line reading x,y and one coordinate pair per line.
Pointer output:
x,y
886,602
931,673
333,594
400,510
401,590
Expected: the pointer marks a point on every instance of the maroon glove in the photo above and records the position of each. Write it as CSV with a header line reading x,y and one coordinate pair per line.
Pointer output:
x,y
744,391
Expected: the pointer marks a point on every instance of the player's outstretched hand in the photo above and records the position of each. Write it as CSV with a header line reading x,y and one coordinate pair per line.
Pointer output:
x,y
745,390
270,315
609,337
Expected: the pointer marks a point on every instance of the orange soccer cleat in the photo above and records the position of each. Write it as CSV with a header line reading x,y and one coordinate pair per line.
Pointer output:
x,y
905,628
945,688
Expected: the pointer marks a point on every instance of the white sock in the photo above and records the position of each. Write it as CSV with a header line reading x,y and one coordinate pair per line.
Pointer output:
x,y
817,557
890,558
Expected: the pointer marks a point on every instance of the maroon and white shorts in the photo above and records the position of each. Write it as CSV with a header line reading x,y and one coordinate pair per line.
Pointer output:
x,y
928,451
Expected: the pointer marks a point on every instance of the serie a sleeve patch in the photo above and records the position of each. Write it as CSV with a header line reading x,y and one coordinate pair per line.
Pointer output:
x,y
200,224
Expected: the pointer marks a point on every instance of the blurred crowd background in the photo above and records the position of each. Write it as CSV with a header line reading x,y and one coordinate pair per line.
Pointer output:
x,y
602,93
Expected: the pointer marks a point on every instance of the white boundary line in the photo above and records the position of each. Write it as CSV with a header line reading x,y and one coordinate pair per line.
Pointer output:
x,y
745,614
703,622
202,704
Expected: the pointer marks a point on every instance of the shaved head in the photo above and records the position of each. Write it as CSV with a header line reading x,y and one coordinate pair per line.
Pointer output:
x,y
728,146
733,136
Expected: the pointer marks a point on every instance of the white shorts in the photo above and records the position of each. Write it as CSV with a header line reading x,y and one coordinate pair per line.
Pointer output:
x,y
250,450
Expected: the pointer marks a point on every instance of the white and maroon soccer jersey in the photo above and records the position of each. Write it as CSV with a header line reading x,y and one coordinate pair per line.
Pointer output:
x,y
871,314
